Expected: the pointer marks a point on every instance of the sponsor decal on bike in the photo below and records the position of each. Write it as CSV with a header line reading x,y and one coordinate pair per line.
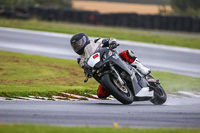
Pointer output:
x,y
115,56
132,77
110,53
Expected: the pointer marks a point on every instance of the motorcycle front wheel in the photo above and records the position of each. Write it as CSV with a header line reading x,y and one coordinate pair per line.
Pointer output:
x,y
121,92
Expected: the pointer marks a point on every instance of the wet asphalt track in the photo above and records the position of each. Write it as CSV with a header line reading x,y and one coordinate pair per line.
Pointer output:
x,y
178,112
162,58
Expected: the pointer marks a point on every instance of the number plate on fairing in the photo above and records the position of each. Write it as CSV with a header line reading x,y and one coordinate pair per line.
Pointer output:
x,y
94,59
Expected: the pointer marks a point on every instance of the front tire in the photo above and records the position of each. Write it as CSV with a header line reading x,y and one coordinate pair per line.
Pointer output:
x,y
123,97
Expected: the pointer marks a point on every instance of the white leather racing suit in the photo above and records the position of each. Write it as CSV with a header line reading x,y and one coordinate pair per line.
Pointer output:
x,y
126,55
89,50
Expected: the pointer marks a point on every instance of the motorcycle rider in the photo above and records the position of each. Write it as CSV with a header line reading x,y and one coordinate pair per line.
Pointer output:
x,y
81,44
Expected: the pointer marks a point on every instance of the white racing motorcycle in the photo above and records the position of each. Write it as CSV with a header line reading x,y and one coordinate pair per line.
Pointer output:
x,y
121,79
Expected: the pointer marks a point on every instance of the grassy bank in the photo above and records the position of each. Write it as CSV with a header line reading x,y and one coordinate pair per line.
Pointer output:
x,y
170,38
23,128
24,75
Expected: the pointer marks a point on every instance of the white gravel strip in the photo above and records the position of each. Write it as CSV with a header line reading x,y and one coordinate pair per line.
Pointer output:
x,y
73,97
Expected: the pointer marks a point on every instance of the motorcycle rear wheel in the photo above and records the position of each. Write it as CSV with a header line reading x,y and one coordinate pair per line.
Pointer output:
x,y
160,96
108,82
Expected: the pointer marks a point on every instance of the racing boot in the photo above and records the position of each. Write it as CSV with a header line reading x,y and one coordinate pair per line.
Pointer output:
x,y
144,70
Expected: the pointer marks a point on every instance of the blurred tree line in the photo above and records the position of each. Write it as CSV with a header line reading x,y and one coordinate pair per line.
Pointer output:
x,y
26,3
186,7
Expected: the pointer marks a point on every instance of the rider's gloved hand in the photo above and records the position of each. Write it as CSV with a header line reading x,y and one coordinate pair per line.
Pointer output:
x,y
112,43
88,75
81,62
88,71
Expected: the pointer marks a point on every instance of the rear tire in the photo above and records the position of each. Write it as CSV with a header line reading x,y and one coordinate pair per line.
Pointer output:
x,y
108,82
160,96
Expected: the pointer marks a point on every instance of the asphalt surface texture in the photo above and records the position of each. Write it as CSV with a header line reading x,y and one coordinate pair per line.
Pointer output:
x,y
182,61
176,113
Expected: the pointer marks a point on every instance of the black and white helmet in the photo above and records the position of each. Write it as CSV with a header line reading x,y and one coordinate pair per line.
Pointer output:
x,y
78,42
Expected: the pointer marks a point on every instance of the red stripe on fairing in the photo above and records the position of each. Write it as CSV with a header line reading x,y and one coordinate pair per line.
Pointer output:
x,y
95,56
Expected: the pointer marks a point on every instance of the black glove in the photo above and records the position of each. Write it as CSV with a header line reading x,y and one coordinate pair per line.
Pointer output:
x,y
88,75
112,43
88,71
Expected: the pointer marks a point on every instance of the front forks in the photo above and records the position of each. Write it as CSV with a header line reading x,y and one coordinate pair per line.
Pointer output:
x,y
118,76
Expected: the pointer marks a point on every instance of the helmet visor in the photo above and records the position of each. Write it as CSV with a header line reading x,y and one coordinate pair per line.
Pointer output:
x,y
78,44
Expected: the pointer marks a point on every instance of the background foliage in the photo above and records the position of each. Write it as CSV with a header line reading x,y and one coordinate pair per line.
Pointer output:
x,y
186,7
26,3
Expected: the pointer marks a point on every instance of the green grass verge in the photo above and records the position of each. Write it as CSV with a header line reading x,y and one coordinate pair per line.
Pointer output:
x,y
25,128
170,38
175,82
24,75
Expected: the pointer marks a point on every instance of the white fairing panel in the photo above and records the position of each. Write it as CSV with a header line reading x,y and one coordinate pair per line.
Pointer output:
x,y
94,59
144,92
